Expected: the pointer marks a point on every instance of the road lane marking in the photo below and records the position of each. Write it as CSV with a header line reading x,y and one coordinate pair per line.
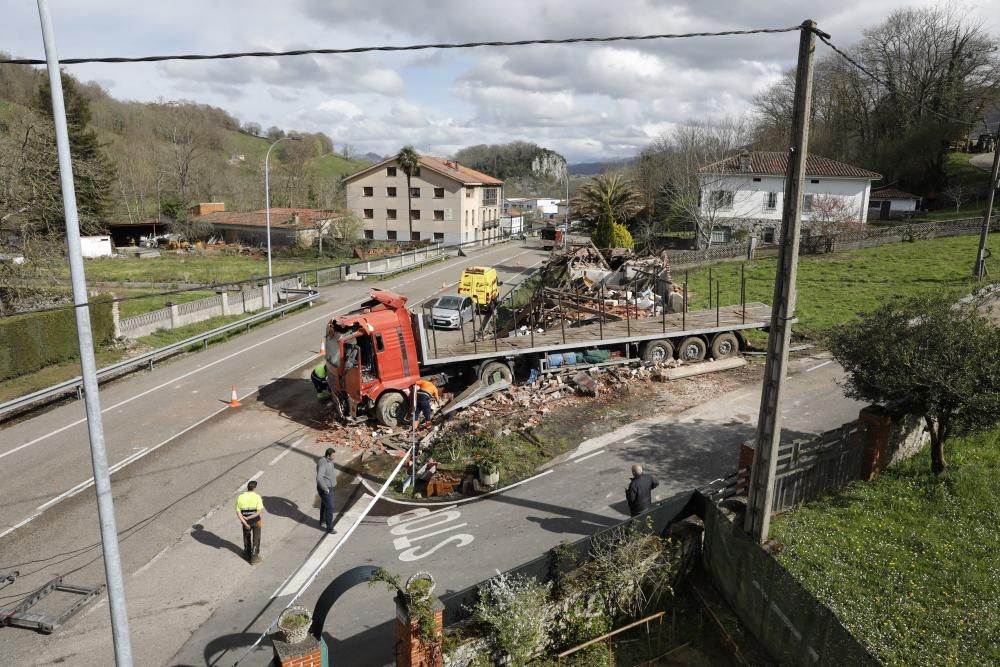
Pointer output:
x,y
323,549
202,367
625,442
825,363
286,452
584,458
19,524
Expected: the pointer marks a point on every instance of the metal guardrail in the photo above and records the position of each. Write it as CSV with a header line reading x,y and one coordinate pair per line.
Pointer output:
x,y
122,367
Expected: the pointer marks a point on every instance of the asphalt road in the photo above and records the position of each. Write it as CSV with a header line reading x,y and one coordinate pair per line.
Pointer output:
x,y
192,600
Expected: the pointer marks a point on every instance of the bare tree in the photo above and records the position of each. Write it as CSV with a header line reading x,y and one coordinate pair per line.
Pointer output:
x,y
957,193
187,138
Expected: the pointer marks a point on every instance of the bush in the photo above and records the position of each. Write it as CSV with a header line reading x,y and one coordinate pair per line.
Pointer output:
x,y
512,609
36,340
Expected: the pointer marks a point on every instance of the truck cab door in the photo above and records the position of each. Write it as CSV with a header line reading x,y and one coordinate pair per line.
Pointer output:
x,y
351,356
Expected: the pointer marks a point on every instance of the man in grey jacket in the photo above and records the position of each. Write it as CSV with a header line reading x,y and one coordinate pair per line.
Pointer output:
x,y
326,480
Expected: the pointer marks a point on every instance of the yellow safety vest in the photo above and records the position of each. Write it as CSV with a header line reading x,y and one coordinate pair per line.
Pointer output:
x,y
249,502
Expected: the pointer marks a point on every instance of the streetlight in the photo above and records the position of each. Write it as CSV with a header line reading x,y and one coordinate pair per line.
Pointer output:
x,y
267,216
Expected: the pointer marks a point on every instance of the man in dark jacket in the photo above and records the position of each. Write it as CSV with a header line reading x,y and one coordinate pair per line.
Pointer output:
x,y
639,491
326,481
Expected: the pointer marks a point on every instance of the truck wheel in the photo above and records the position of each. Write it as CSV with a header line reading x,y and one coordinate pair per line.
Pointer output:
x,y
660,350
725,345
692,349
495,371
390,408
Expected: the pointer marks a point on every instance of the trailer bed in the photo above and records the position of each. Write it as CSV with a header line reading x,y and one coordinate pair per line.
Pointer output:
x,y
439,347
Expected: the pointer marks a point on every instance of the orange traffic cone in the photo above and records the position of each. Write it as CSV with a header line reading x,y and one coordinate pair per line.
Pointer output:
x,y
322,348
234,402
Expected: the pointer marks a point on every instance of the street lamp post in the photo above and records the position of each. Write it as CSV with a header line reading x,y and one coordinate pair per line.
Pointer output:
x,y
267,217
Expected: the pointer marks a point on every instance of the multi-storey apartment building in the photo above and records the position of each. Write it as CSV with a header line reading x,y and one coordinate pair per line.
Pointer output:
x,y
448,203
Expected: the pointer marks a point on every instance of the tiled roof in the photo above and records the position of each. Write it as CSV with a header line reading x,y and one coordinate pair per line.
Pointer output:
x,y
449,168
775,163
892,193
281,218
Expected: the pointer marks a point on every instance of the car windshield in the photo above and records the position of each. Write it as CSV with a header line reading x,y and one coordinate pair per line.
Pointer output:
x,y
449,303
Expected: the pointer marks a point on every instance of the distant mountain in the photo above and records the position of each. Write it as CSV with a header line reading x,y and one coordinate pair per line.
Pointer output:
x,y
594,168
372,157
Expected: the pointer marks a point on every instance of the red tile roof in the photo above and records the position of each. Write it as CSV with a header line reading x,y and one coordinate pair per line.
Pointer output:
x,y
458,171
892,193
775,163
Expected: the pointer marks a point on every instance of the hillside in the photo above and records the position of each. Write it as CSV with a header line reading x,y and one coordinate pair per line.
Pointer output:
x,y
526,168
165,156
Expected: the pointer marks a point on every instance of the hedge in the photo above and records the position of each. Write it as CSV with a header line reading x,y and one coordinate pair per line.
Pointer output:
x,y
36,340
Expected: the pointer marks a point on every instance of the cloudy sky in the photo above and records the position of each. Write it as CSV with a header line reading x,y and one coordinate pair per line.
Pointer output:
x,y
588,102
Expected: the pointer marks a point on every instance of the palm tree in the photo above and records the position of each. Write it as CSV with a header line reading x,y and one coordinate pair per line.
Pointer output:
x,y
604,191
409,161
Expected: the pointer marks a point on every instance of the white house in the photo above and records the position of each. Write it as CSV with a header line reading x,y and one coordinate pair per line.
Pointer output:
x,y
544,207
95,246
747,191
511,224
888,203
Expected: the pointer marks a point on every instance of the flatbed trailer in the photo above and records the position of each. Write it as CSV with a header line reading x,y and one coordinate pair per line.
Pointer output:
x,y
376,354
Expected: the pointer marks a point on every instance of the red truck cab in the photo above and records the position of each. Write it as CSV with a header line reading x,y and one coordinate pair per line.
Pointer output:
x,y
372,359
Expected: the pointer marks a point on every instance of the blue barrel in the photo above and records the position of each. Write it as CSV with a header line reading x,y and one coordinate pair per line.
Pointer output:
x,y
570,358
555,360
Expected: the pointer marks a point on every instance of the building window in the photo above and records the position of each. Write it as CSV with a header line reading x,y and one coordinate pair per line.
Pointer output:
x,y
390,213
391,234
469,192
489,196
369,234
874,203
770,201
390,171
369,213
390,192
721,199
414,214
807,203
416,172
466,218
721,234
414,236
415,193
368,191
439,193
439,237
769,235
756,179
814,180
439,215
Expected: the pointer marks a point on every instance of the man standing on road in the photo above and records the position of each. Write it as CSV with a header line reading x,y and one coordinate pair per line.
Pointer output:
x,y
249,508
326,480
639,493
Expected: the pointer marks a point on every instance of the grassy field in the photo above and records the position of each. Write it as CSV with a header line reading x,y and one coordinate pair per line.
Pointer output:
x,y
195,268
835,287
333,166
50,375
909,562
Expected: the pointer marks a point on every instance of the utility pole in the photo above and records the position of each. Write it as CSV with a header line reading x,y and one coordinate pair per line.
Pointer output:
x,y
758,516
88,366
980,269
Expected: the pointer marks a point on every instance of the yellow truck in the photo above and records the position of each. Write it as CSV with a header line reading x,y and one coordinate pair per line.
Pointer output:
x,y
480,283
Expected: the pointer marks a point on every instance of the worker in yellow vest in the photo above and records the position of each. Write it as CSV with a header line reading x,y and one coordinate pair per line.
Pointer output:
x,y
318,378
249,508
426,390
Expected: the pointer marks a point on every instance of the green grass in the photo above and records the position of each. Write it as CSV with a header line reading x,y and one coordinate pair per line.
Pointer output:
x,y
194,268
958,170
835,287
333,166
908,562
152,300
968,210
50,375
166,337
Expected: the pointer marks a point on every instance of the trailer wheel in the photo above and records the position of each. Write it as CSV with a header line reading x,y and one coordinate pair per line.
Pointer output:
x,y
692,349
659,350
725,345
390,408
495,371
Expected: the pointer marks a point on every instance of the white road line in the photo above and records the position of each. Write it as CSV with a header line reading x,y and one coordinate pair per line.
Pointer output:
x,y
152,560
323,549
625,442
584,458
463,500
825,363
286,452
201,368
18,525
243,486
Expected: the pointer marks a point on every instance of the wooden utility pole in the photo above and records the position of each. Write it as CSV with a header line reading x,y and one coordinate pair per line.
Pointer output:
x,y
980,269
758,516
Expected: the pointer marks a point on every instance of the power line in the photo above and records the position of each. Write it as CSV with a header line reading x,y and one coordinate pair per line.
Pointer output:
x,y
411,47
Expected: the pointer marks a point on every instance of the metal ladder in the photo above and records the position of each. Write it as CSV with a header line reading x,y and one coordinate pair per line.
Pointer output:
x,y
21,617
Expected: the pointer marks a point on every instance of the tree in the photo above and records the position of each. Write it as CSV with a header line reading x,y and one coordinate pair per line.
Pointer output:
x,y
957,193
928,357
343,231
831,216
252,128
607,191
93,173
610,234
409,161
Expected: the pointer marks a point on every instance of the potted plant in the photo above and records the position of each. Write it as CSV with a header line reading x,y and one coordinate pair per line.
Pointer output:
x,y
489,470
294,623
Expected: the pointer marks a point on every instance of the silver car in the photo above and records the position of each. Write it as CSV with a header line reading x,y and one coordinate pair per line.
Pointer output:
x,y
451,312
